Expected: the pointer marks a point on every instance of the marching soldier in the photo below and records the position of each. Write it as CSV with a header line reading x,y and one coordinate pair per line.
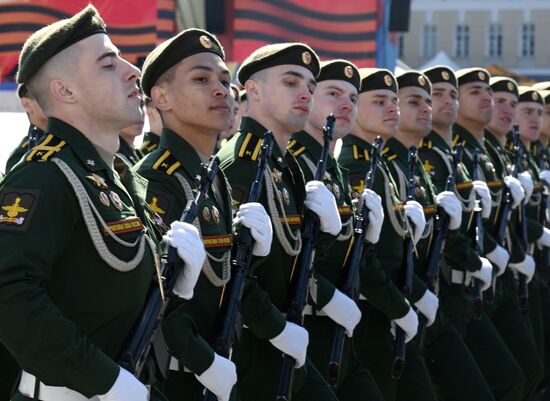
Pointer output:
x,y
151,138
279,80
378,114
337,87
38,122
499,367
189,83
505,311
87,225
448,356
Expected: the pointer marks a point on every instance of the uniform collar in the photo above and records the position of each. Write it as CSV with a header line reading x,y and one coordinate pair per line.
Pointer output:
x,y
398,149
313,147
351,139
492,139
434,139
471,140
182,151
81,146
249,125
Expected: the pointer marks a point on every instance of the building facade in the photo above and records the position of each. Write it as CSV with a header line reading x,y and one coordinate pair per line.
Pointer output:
x,y
514,34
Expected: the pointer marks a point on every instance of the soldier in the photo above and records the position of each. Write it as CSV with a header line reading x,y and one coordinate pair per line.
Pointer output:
x,y
151,138
499,367
38,122
378,114
337,87
506,313
279,80
529,118
190,87
448,356
88,228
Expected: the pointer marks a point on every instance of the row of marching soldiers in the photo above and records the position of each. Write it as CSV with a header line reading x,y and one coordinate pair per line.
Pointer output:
x,y
428,254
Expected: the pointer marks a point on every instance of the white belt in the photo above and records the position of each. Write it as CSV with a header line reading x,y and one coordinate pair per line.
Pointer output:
x,y
460,277
49,393
175,365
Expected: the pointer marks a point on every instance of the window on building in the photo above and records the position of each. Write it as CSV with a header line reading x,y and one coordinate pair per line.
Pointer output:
x,y
527,40
429,41
462,41
494,40
400,45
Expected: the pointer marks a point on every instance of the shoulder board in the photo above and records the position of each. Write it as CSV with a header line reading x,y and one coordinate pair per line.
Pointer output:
x,y
425,144
250,148
167,163
46,149
388,154
148,146
295,147
509,145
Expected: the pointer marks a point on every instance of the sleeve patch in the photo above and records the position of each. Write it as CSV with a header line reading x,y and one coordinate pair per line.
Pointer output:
x,y
160,203
16,208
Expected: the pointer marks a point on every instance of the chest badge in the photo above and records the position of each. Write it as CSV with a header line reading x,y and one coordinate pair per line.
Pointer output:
x,y
215,215
103,198
206,214
277,176
97,180
116,200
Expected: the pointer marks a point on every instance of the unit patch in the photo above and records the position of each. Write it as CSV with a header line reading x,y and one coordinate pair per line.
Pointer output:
x,y
16,208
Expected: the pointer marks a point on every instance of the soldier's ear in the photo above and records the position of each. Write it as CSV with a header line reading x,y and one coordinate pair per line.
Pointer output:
x,y
62,92
160,100
252,90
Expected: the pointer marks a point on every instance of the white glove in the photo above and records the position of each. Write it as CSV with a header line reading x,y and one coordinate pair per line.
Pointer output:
x,y
545,176
407,323
427,305
126,388
220,377
415,213
452,206
254,216
373,202
516,190
293,341
485,274
527,184
344,311
526,267
321,202
188,243
499,257
544,239
482,191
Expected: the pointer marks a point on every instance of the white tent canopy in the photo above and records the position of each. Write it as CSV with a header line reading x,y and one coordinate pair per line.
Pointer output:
x,y
441,58
400,67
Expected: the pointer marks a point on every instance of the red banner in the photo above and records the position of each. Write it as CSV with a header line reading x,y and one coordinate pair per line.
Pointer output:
x,y
132,25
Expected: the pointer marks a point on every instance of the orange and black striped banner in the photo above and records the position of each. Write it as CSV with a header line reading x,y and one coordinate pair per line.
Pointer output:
x,y
135,27
334,29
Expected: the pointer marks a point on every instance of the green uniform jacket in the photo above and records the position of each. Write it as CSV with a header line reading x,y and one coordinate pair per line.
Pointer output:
x,y
270,291
396,156
383,261
150,142
20,150
66,312
436,157
191,327
487,173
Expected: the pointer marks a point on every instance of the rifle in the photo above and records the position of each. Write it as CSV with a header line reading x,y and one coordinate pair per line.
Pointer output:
x,y
506,210
441,228
408,271
147,332
351,266
523,289
310,235
478,239
241,264
543,214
